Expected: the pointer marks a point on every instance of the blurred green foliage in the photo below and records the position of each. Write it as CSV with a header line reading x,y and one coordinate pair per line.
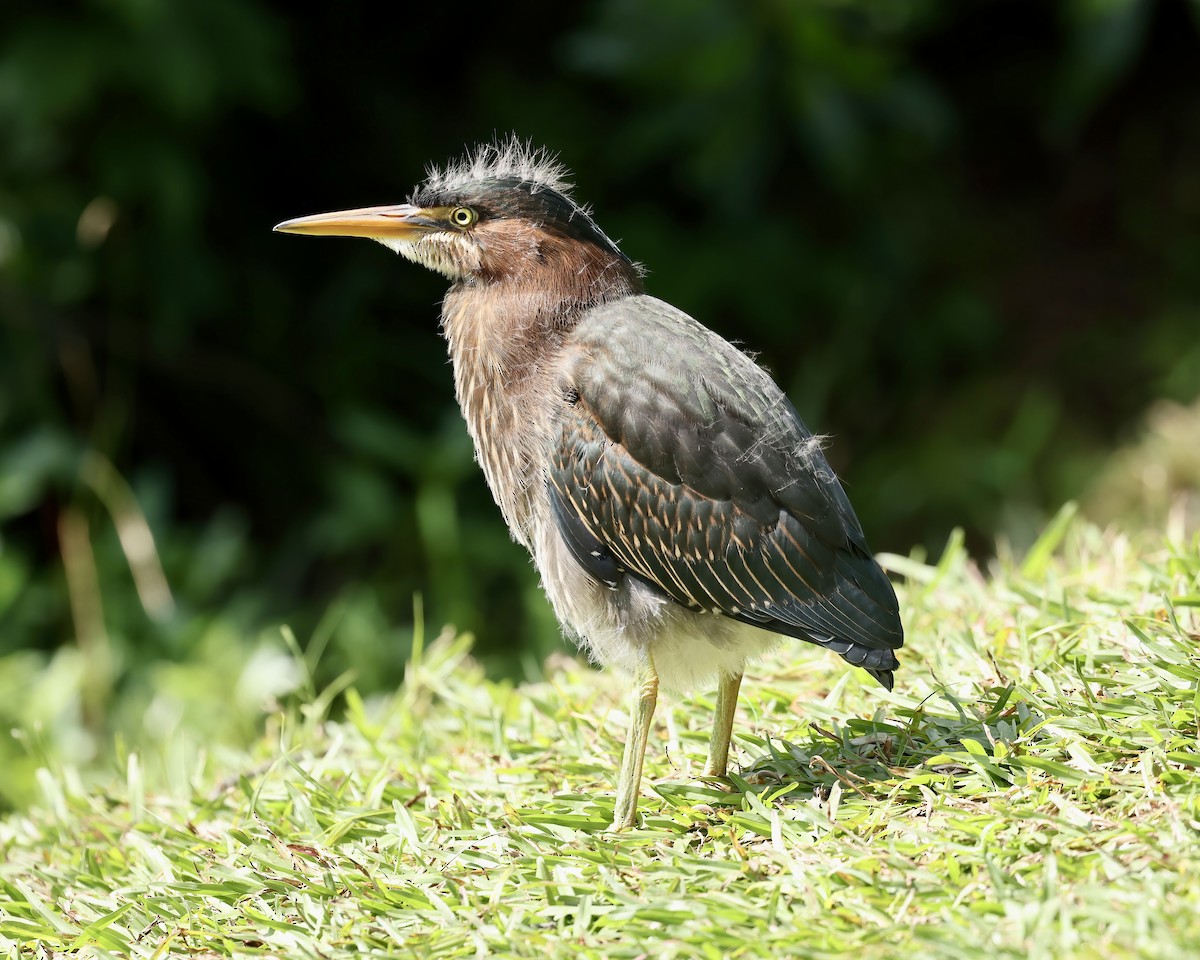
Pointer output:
x,y
965,237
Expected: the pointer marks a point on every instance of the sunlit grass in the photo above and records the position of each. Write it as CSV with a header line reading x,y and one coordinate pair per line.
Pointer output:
x,y
1031,789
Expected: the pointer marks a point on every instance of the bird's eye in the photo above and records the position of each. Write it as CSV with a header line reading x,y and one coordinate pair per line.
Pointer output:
x,y
463,216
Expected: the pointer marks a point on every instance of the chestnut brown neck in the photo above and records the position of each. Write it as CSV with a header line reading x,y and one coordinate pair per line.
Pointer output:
x,y
505,331
532,286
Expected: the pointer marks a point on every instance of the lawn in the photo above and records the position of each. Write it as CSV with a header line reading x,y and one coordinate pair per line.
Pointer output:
x,y
1031,789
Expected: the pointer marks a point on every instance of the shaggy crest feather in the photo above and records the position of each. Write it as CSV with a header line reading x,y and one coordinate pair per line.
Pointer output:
x,y
509,158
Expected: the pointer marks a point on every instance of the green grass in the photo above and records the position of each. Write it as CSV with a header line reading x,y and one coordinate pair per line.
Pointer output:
x,y
1031,789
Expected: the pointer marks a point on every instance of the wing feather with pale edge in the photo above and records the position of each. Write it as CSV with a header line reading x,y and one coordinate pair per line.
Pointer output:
x,y
678,461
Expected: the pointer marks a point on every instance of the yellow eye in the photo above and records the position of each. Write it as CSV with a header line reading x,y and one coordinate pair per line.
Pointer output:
x,y
463,216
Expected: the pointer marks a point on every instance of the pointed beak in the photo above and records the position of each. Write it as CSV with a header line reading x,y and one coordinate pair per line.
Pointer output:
x,y
401,221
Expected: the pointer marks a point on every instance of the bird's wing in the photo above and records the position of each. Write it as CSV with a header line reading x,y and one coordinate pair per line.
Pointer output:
x,y
678,461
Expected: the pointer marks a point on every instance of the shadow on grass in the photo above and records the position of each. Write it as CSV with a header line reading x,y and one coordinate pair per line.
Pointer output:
x,y
937,744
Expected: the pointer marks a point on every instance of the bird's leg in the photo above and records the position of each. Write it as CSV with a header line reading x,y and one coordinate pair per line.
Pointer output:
x,y
718,744
645,696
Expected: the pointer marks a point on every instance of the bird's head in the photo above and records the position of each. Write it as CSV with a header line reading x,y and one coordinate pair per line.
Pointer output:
x,y
503,213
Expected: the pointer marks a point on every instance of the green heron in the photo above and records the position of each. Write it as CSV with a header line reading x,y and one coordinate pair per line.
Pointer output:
x,y
680,514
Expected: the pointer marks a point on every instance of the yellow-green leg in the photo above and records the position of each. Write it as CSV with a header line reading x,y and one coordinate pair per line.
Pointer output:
x,y
718,744
645,696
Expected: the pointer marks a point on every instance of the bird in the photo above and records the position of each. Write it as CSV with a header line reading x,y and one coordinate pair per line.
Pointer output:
x,y
681,516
